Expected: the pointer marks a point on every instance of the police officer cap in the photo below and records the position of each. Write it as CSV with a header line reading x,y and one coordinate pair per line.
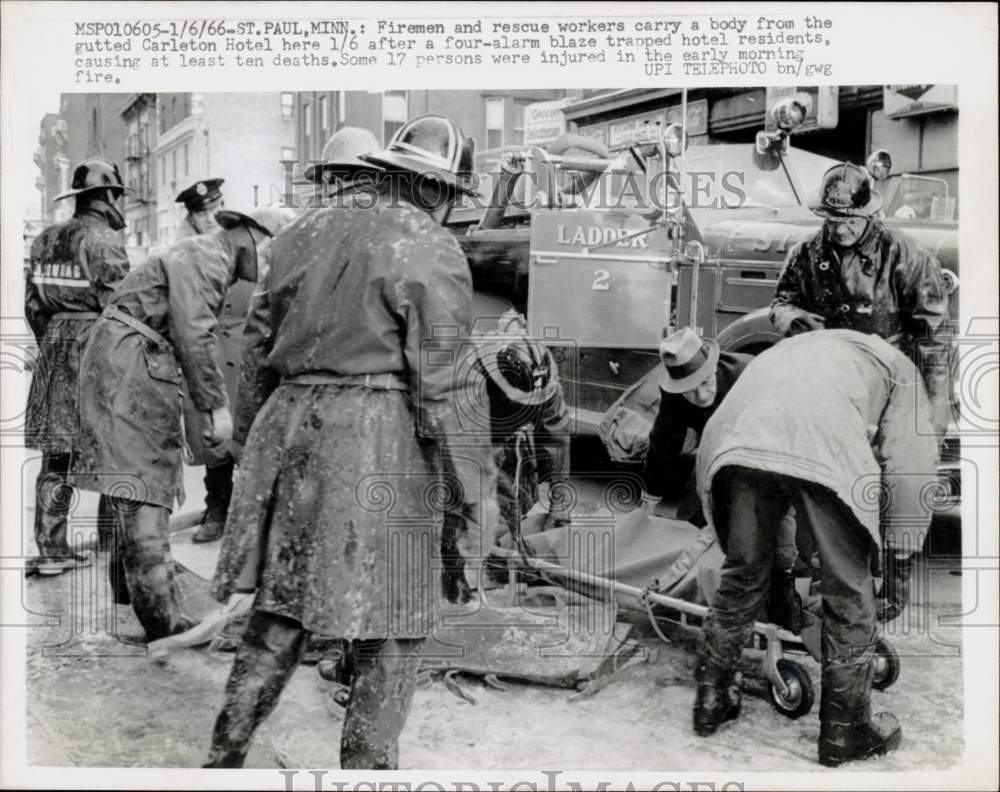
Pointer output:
x,y
201,195
94,174
846,191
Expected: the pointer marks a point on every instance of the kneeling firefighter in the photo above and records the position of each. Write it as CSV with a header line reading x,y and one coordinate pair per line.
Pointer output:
x,y
159,327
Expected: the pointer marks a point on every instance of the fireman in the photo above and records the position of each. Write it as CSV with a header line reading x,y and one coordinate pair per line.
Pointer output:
x,y
341,164
798,428
857,274
75,266
159,329
358,386
525,414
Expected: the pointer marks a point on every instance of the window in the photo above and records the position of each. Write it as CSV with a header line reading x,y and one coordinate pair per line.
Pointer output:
x,y
186,161
287,105
393,113
519,110
173,158
324,115
341,107
163,170
161,113
307,124
494,122
197,103
93,123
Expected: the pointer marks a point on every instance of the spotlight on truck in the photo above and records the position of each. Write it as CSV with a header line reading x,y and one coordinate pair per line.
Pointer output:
x,y
675,141
879,165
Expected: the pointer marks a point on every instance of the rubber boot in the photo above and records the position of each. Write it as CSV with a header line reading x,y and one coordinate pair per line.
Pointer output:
x,y
53,499
105,524
265,661
383,679
784,605
848,731
218,492
144,550
718,699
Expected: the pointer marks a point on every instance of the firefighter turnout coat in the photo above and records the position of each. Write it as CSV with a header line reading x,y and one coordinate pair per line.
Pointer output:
x,y
74,268
350,356
133,367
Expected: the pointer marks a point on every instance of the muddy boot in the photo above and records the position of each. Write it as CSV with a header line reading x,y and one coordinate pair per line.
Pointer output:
x,y
383,678
105,524
848,731
718,699
218,492
265,661
53,498
144,551
784,606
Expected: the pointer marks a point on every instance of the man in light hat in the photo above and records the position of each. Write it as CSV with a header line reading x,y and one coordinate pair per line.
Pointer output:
x,y
75,266
202,200
159,329
695,378
857,274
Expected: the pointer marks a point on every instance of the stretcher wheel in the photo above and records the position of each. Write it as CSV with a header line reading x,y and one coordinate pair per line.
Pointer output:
x,y
887,665
800,690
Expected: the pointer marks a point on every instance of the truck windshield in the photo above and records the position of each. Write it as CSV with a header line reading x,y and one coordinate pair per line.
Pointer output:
x,y
717,176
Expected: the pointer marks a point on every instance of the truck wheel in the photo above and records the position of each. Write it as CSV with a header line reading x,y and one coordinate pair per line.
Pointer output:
x,y
887,665
800,690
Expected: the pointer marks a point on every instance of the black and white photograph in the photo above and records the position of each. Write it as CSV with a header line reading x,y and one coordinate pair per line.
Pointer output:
x,y
367,431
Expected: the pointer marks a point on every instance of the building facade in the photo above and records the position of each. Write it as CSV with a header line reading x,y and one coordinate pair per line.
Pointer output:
x,y
138,113
54,172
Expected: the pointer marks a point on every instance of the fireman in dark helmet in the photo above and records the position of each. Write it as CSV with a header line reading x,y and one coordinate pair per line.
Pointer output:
x,y
75,266
859,275
528,425
355,425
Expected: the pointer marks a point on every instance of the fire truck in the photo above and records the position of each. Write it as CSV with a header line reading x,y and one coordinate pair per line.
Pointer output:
x,y
606,254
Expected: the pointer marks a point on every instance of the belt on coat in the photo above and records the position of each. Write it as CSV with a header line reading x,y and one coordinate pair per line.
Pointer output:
x,y
74,315
386,381
114,312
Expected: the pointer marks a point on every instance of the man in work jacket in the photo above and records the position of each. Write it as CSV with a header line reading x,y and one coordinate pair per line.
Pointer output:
x,y
75,266
836,423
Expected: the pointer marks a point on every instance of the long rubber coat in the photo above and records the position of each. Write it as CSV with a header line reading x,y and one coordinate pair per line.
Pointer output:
x,y
75,266
337,505
131,444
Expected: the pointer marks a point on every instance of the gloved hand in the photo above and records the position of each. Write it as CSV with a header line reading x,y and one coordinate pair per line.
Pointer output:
x,y
806,321
789,320
217,426
895,593
453,583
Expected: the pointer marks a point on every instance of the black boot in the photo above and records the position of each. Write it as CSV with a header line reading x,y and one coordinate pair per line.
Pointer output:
x,y
218,492
144,551
383,678
265,661
784,605
718,699
53,499
848,731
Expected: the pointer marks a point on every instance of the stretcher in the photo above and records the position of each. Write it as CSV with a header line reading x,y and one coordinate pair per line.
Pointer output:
x,y
669,570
